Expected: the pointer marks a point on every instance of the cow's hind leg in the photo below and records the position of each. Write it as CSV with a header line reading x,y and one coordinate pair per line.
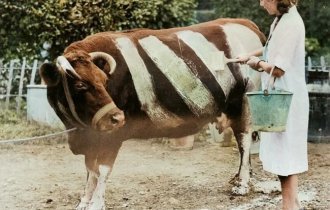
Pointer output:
x,y
242,132
242,178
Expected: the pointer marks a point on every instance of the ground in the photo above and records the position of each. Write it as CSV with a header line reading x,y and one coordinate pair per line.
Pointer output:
x,y
149,175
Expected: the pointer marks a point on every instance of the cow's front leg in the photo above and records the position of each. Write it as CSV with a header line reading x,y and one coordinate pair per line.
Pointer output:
x,y
106,156
97,201
92,176
89,190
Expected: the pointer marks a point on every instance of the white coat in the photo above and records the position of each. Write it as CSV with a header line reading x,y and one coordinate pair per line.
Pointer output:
x,y
285,153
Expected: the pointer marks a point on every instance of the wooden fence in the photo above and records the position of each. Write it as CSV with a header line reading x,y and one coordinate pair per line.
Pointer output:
x,y
14,77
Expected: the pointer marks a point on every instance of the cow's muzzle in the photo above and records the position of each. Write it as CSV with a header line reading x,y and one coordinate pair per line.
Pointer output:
x,y
108,118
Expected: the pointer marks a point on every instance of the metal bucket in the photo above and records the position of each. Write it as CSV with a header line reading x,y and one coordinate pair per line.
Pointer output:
x,y
269,109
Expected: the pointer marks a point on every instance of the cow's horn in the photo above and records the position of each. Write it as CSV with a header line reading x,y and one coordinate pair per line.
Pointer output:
x,y
65,65
111,61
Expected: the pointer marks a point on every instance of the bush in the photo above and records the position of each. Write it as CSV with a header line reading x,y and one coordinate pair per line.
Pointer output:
x,y
60,22
315,14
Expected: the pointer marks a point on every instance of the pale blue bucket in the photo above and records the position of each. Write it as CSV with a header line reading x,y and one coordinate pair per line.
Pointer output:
x,y
269,109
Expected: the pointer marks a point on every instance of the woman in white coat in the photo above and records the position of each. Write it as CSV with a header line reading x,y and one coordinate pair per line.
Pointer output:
x,y
285,153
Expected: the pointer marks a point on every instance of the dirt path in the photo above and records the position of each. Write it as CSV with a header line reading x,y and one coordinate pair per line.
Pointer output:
x,y
148,175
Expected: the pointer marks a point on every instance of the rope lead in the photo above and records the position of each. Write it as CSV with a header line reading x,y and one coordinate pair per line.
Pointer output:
x,y
35,138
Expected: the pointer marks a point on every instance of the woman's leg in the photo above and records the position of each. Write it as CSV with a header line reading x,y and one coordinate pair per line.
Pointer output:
x,y
289,185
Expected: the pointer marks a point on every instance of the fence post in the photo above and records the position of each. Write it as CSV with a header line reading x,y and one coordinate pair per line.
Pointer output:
x,y
34,71
322,62
10,78
1,68
309,63
20,89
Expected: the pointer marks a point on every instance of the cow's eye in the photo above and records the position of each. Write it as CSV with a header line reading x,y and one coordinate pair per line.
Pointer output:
x,y
81,86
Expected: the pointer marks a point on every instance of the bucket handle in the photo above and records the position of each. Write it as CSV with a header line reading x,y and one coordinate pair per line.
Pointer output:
x,y
266,92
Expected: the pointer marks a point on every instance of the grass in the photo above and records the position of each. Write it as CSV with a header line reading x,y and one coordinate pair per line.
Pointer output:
x,y
16,126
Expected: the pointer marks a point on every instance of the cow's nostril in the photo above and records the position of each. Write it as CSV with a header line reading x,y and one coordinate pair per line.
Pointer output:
x,y
114,120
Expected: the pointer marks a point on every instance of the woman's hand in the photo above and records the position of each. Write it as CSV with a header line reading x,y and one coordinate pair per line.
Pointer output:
x,y
242,58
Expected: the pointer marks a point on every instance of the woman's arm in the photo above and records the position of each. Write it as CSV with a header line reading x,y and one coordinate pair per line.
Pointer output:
x,y
245,57
277,72
261,65
257,52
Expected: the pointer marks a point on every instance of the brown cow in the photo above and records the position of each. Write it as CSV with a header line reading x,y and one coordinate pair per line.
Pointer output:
x,y
143,83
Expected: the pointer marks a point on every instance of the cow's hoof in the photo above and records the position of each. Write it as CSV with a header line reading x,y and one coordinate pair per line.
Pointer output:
x,y
240,190
82,206
99,205
235,180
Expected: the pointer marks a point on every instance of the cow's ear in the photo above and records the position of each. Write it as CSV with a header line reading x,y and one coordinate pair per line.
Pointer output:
x,y
50,74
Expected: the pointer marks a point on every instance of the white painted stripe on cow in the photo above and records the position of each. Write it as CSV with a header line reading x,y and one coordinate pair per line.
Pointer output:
x,y
144,86
190,88
210,56
242,40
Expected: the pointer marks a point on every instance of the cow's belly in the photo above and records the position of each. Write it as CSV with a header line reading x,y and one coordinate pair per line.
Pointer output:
x,y
146,129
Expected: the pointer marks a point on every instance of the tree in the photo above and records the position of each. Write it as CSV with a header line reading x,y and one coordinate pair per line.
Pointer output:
x,y
249,9
28,24
315,13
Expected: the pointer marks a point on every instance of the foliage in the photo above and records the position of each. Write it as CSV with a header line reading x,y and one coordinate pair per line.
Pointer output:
x,y
60,22
249,9
316,14
312,45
